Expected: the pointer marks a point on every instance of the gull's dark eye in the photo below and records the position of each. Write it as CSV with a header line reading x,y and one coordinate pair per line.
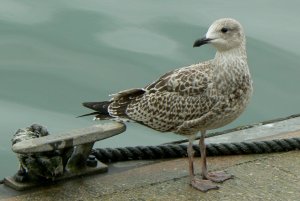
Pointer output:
x,y
224,30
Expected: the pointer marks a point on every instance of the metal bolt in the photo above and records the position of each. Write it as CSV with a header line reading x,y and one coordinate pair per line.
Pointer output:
x,y
91,161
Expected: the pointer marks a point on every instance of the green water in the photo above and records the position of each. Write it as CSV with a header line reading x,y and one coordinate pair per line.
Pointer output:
x,y
56,54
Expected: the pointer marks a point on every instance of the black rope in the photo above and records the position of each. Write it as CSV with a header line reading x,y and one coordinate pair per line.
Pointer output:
x,y
180,150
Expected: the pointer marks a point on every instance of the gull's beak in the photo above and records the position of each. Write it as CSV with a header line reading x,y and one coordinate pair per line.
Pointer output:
x,y
201,41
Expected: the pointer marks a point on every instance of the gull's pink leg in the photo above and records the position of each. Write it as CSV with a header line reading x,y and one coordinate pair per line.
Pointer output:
x,y
219,176
199,184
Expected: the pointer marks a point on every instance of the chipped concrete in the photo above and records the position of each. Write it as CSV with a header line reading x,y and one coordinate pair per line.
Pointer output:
x,y
257,177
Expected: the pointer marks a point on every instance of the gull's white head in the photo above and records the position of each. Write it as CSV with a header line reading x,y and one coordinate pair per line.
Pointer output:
x,y
224,34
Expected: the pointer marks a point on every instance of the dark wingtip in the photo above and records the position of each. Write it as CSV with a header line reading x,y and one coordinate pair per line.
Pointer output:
x,y
89,114
89,104
100,107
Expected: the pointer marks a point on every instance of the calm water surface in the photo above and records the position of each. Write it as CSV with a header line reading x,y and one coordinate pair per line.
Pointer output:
x,y
56,54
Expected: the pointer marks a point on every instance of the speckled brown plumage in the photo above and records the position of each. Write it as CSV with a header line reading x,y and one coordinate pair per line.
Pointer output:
x,y
186,94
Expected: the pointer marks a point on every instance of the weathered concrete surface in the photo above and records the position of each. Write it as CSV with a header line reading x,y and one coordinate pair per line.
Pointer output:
x,y
266,131
257,177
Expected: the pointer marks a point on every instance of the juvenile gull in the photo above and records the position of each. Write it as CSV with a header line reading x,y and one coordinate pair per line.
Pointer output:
x,y
192,99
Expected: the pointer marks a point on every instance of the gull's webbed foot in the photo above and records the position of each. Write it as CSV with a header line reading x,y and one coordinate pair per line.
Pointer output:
x,y
203,185
218,176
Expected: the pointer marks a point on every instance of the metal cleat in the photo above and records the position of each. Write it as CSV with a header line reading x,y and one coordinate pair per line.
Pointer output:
x,y
47,158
